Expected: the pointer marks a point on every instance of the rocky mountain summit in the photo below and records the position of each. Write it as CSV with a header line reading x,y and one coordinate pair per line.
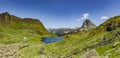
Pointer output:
x,y
87,25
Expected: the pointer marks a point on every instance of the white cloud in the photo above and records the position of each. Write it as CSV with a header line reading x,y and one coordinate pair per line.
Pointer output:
x,y
104,17
84,16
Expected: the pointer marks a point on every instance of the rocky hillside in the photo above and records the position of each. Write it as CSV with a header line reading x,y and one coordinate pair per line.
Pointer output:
x,y
87,25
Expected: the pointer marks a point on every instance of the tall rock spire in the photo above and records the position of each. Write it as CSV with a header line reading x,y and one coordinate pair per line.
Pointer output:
x,y
87,25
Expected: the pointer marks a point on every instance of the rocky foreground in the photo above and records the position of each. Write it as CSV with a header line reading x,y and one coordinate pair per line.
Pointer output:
x,y
10,51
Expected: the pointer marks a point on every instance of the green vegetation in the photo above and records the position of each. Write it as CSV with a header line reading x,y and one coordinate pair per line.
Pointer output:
x,y
101,38
24,36
14,30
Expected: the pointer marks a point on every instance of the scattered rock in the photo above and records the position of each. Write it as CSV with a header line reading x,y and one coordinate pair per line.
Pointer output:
x,y
91,54
10,51
118,33
115,44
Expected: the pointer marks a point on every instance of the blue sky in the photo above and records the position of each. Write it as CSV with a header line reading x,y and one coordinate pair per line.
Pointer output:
x,y
62,13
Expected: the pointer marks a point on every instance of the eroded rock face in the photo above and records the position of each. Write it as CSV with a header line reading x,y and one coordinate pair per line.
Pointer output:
x,y
87,25
91,54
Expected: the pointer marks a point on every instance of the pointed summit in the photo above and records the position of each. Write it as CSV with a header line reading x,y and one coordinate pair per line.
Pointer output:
x,y
87,25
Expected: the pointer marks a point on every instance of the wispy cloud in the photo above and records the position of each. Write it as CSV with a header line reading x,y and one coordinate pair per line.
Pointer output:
x,y
84,16
104,17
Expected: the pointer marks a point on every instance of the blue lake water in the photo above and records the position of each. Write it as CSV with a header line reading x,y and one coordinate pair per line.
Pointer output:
x,y
48,40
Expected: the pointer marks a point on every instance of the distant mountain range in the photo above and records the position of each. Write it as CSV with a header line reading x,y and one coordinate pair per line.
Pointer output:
x,y
87,25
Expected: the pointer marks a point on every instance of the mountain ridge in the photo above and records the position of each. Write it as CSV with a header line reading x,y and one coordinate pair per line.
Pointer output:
x,y
11,25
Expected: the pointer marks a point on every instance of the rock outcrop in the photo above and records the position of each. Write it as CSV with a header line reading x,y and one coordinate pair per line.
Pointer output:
x,y
91,54
87,25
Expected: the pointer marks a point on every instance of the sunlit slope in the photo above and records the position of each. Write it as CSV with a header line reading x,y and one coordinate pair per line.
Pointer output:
x,y
14,29
74,45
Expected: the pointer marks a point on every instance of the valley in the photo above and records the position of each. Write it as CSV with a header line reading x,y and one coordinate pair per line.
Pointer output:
x,y
59,28
28,38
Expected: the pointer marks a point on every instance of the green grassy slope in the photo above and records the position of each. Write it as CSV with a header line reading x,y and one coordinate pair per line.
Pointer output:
x,y
102,38
14,29
25,34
